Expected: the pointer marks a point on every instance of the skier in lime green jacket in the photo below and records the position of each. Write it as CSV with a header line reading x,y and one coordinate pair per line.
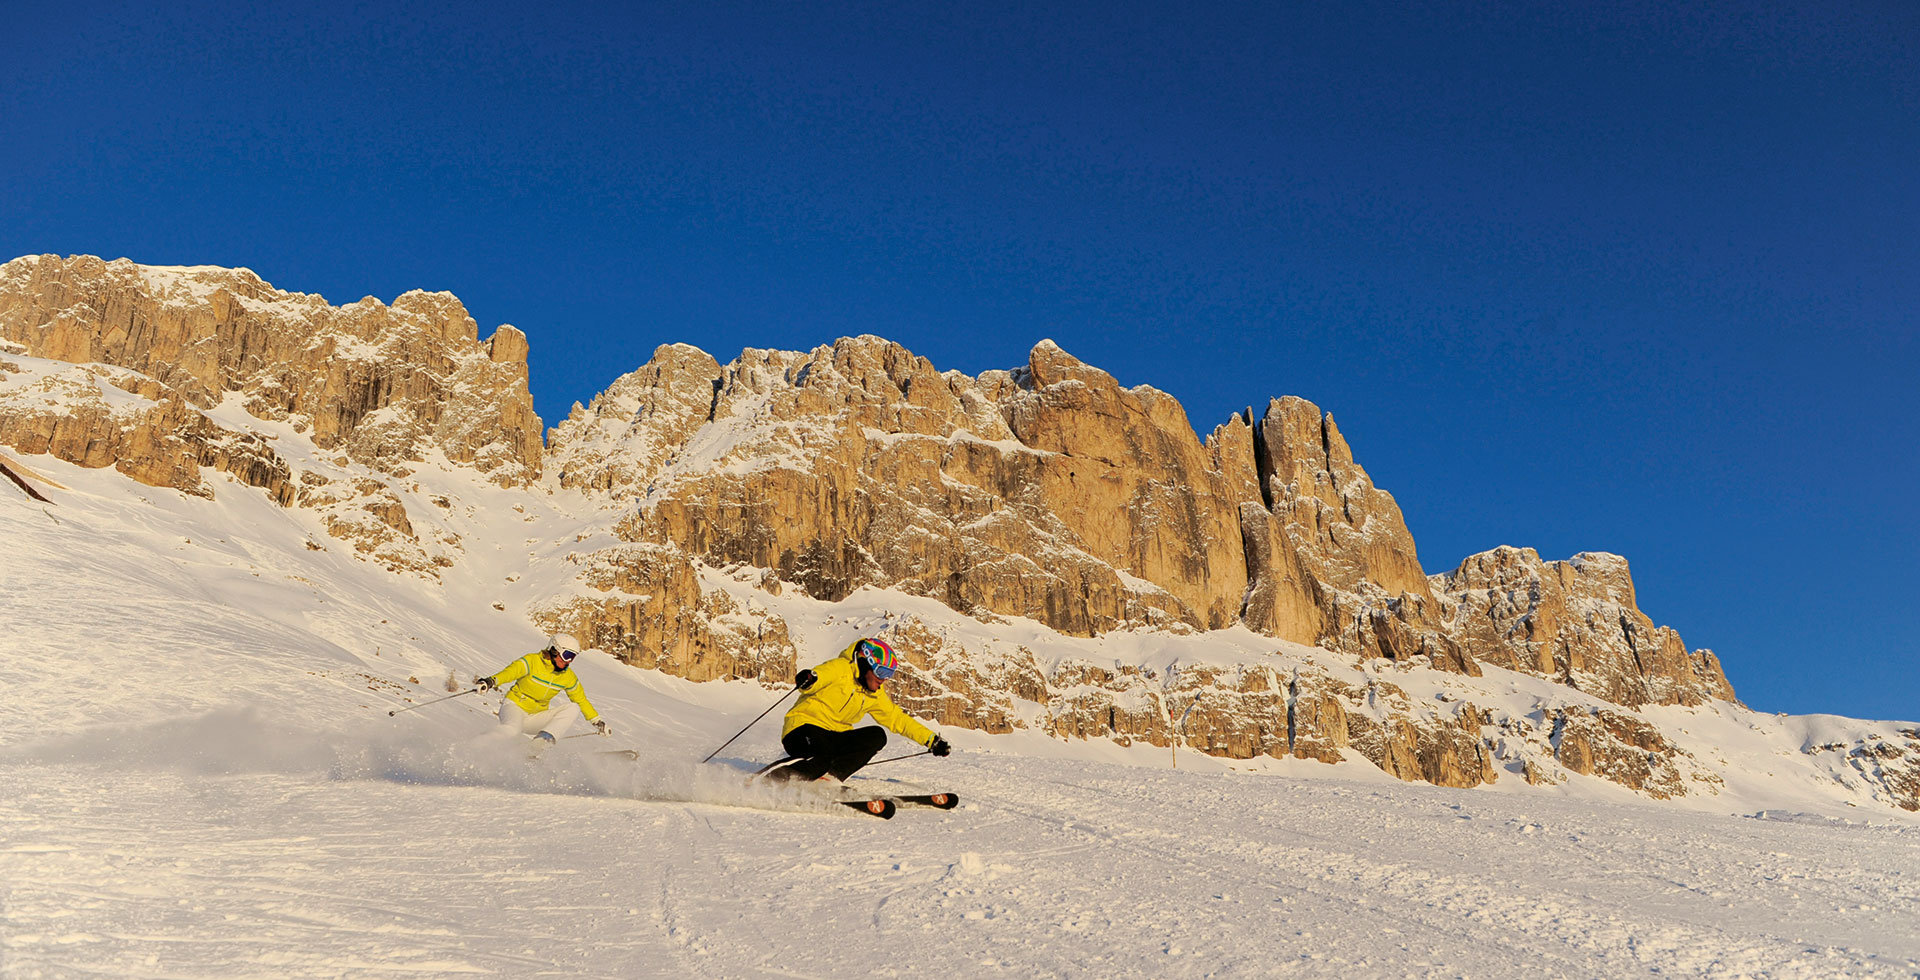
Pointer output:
x,y
537,679
835,696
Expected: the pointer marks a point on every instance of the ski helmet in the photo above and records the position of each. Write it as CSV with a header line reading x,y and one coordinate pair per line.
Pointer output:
x,y
876,656
564,647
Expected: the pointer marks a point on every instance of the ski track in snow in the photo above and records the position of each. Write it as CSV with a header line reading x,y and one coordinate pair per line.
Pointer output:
x,y
1052,869
203,782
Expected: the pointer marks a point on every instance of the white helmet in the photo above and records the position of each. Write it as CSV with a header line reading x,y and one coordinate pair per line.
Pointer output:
x,y
564,644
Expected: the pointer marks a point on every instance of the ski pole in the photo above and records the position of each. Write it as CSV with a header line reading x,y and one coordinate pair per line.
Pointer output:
x,y
750,724
870,765
897,758
434,701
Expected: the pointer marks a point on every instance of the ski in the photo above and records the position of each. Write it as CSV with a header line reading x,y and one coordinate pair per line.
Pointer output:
x,y
942,801
879,806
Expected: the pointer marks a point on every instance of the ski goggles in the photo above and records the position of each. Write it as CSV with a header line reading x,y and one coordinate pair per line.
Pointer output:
x,y
563,654
878,657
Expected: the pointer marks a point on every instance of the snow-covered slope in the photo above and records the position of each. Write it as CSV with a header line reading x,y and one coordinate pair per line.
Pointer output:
x,y
205,781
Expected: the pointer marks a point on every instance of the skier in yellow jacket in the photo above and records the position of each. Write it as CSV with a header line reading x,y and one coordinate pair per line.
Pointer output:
x,y
537,679
835,696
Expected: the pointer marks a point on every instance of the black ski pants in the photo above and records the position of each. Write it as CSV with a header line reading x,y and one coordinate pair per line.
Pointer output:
x,y
818,752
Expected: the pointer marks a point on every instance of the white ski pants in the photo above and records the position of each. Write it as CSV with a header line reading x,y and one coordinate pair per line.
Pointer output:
x,y
554,721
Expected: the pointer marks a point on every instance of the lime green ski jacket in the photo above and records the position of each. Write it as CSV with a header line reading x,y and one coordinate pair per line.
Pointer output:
x,y
536,683
837,702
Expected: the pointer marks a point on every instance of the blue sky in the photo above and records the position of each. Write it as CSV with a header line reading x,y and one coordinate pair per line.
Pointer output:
x,y
1634,277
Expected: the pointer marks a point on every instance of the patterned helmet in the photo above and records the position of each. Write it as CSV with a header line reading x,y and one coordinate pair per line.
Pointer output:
x,y
876,656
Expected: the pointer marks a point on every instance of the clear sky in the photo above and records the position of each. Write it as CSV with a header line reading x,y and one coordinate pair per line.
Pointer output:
x,y
1639,277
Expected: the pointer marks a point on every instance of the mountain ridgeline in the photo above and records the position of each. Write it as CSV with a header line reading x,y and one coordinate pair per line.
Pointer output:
x,y
1046,492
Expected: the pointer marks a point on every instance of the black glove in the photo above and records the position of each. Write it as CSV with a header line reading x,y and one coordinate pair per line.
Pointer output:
x,y
939,746
483,683
803,679
600,725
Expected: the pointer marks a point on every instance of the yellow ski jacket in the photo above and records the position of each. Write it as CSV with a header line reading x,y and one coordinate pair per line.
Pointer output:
x,y
535,683
837,702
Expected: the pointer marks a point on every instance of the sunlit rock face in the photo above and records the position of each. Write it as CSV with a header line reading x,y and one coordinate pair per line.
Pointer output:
x,y
1048,492
1575,621
382,384
176,369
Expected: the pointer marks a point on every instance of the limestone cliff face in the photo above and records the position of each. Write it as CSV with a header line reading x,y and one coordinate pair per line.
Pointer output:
x,y
1048,492
95,416
1575,621
1349,533
383,384
173,367
1132,484
1334,548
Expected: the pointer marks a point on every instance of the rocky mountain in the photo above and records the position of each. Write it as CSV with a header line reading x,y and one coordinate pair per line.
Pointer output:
x,y
1044,494
168,372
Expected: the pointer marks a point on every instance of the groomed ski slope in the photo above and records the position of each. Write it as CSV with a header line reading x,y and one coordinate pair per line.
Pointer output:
x,y
202,780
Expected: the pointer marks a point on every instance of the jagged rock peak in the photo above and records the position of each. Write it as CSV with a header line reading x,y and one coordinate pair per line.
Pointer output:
x,y
860,463
1352,533
1575,621
1049,364
382,384
631,430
